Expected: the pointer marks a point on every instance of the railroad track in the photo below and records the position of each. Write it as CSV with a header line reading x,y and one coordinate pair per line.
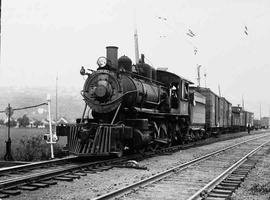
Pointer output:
x,y
34,165
43,174
202,176
226,183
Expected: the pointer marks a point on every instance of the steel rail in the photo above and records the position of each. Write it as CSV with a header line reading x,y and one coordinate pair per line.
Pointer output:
x,y
36,164
211,185
168,172
72,158
14,182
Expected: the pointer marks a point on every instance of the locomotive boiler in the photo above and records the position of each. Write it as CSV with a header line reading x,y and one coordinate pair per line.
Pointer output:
x,y
115,84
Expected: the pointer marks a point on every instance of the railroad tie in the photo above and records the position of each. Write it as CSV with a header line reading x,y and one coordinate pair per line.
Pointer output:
x,y
73,176
217,195
89,170
80,173
39,185
11,192
28,187
63,178
49,182
2,196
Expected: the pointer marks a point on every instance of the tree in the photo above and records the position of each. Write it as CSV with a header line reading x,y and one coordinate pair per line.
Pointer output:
x,y
12,122
37,123
23,121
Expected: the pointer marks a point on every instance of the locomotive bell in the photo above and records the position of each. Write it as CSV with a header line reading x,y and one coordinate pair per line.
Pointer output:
x,y
112,56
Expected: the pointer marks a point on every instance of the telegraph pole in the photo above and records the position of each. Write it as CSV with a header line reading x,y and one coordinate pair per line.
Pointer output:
x,y
51,142
199,75
0,26
8,156
205,79
243,102
136,45
56,99
260,111
219,92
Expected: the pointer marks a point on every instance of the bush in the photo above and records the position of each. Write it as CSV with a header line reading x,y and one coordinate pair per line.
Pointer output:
x,y
35,148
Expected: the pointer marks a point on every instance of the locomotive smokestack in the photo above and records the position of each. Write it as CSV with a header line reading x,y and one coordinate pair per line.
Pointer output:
x,y
142,58
112,56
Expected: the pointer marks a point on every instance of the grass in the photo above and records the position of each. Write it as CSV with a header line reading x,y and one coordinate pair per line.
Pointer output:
x,y
28,144
260,188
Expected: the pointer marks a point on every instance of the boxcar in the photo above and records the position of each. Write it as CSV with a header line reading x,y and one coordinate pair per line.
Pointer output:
x,y
249,117
236,118
242,120
221,110
265,122
257,124
212,117
227,114
197,110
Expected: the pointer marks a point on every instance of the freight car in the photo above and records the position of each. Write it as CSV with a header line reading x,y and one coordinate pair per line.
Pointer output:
x,y
265,121
249,119
241,119
257,124
227,115
136,107
238,121
211,113
218,111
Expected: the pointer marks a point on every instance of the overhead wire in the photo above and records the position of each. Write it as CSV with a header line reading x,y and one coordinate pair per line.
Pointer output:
x,y
27,107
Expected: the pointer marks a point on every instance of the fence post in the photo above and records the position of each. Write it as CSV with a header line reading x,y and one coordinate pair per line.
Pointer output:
x,y
50,125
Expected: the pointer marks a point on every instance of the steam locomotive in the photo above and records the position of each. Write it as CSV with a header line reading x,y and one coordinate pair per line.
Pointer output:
x,y
136,107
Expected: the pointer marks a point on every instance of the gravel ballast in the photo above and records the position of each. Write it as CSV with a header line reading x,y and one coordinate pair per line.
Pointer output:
x,y
257,184
93,185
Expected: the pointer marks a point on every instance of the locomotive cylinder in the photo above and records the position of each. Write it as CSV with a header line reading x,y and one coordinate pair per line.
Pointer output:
x,y
112,56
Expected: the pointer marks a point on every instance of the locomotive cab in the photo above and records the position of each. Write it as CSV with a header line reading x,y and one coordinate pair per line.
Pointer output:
x,y
178,91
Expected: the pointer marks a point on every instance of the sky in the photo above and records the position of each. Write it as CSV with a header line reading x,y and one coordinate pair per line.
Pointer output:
x,y
41,39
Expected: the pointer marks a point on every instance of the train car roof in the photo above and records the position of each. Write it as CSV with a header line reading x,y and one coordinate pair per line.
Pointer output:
x,y
202,89
226,100
173,77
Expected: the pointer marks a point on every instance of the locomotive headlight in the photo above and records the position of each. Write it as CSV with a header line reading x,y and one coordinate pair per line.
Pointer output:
x,y
102,61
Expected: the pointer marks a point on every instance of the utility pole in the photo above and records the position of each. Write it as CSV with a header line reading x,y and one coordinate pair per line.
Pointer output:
x,y
205,79
56,99
219,92
199,75
8,156
260,111
136,42
136,45
243,102
0,26
269,113
51,142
